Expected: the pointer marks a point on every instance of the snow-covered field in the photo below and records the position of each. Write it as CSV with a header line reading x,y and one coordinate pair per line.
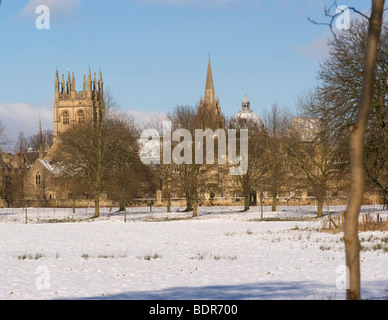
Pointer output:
x,y
222,254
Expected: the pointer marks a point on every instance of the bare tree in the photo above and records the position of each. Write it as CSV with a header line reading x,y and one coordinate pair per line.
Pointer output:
x,y
339,90
21,143
4,140
358,123
33,141
252,180
166,171
277,124
194,178
94,152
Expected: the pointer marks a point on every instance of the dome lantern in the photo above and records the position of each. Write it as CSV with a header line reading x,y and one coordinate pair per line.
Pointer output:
x,y
246,115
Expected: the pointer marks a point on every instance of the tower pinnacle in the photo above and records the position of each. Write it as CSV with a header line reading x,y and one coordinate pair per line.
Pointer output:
x,y
40,140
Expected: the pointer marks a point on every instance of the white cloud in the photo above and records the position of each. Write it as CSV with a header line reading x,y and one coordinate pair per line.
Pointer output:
x,y
144,117
19,116
57,7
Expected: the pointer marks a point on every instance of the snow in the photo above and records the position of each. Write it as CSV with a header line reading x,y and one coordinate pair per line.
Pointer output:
x,y
222,254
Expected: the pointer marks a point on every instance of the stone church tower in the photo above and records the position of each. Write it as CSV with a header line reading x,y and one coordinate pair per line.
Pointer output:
x,y
209,110
41,183
73,106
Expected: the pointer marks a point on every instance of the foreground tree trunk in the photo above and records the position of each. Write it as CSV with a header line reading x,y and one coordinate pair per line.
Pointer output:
x,y
357,131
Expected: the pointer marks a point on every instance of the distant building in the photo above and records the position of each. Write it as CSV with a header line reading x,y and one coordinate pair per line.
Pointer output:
x,y
306,128
246,117
43,185
209,110
73,106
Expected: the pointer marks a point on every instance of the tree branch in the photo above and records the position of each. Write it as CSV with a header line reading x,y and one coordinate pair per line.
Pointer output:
x,y
327,11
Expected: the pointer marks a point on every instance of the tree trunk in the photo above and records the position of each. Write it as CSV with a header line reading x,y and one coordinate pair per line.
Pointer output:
x,y
96,205
195,206
246,202
122,205
274,201
168,203
261,205
189,202
73,204
320,207
352,246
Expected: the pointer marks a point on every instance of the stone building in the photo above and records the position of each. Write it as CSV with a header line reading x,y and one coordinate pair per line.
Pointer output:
x,y
43,183
73,106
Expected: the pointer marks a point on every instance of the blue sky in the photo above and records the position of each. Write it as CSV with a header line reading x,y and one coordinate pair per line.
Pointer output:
x,y
153,53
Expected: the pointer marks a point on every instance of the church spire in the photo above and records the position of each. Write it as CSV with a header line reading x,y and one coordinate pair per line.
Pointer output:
x,y
40,140
209,110
209,98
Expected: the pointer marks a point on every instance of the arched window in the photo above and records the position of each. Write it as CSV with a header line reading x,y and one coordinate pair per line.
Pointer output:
x,y
81,116
37,179
65,118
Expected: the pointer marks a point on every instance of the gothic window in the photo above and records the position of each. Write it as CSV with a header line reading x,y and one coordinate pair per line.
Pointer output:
x,y
81,116
37,179
65,118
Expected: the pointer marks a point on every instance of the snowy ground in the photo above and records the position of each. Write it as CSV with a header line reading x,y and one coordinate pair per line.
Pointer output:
x,y
222,254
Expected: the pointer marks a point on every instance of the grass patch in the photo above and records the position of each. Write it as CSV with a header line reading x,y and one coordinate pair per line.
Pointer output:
x,y
104,256
150,257
374,243
165,219
31,256
199,256
202,256
64,220
284,219
219,257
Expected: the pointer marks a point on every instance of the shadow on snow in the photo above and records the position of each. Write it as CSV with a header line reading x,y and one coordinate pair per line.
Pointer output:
x,y
293,290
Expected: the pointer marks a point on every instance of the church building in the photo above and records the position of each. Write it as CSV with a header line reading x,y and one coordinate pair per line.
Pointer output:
x,y
43,185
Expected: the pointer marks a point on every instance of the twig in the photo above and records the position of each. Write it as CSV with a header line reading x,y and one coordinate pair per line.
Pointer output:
x,y
327,11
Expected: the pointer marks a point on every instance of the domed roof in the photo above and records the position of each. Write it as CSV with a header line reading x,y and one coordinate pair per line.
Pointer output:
x,y
246,115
